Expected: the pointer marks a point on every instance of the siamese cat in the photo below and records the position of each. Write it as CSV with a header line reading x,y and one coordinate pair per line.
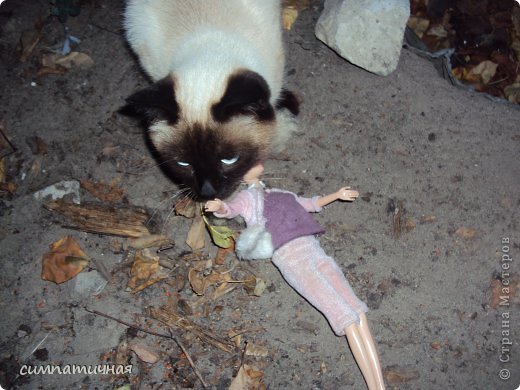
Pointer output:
x,y
217,106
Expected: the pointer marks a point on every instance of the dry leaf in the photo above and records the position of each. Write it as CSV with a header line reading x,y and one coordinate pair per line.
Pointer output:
x,y
512,93
485,70
438,31
197,282
3,170
418,25
186,207
254,286
144,353
105,192
71,60
466,233
28,41
289,16
323,368
503,292
153,240
256,350
290,11
220,257
145,269
65,260
300,5
397,375
122,353
196,235
200,283
8,187
409,225
48,70
248,378
427,218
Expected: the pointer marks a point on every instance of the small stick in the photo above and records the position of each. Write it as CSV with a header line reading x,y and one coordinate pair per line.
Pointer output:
x,y
168,336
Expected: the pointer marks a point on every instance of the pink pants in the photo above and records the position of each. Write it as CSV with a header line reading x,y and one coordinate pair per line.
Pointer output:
x,y
317,277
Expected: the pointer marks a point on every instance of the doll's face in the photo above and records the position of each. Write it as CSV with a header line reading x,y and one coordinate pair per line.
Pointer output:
x,y
254,173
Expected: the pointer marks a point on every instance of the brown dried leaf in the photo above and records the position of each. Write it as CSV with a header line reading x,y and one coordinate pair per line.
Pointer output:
x,y
28,41
144,352
409,225
186,207
300,5
144,267
68,61
438,31
65,260
153,240
289,16
466,233
254,286
396,375
484,71
3,170
196,235
197,281
51,70
248,378
427,218
8,187
220,257
256,350
503,292
105,192
418,25
512,93
122,353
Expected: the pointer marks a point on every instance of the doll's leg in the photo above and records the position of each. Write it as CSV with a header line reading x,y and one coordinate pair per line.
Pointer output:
x,y
298,262
336,278
357,345
371,349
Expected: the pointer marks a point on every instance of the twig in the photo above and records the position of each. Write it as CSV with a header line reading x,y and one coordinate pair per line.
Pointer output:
x,y
168,336
174,320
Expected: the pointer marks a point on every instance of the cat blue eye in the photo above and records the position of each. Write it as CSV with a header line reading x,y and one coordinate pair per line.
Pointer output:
x,y
229,161
182,163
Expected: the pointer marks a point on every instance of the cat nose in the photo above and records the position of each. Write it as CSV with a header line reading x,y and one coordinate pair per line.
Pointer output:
x,y
207,190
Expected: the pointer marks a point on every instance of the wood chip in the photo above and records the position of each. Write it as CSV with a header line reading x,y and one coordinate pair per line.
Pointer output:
x,y
118,220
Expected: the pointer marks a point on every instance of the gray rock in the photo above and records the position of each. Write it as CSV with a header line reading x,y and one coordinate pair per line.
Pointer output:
x,y
59,191
86,283
368,33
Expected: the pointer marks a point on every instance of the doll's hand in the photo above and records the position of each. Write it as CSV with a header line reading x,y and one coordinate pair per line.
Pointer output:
x,y
345,193
213,205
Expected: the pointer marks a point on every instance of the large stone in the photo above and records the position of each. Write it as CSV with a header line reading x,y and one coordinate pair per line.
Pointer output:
x,y
368,33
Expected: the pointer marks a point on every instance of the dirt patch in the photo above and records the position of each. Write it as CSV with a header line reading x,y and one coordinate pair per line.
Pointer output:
x,y
445,158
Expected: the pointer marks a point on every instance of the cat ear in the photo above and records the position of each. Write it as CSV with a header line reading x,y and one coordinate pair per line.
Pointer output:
x,y
247,93
289,101
156,102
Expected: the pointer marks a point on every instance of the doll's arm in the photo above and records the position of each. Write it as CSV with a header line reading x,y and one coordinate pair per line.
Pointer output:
x,y
215,206
344,193
236,206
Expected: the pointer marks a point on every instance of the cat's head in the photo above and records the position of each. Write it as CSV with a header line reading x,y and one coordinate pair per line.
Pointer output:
x,y
209,149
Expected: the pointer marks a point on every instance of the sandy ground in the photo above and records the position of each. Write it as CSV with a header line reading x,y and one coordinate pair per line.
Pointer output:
x,y
448,156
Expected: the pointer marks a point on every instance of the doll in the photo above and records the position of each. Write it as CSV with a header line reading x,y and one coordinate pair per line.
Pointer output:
x,y
296,252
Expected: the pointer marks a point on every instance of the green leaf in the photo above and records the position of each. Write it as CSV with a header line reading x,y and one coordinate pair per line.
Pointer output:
x,y
221,235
